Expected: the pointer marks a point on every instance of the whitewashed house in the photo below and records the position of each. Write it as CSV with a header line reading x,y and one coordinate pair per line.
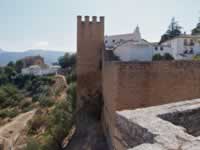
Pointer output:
x,y
130,47
181,47
40,70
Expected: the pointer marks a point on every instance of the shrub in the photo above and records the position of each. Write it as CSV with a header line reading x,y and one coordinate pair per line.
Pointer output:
x,y
3,79
157,57
35,98
60,122
12,113
10,96
8,113
25,104
32,144
196,58
46,101
71,77
4,113
168,56
36,123
71,95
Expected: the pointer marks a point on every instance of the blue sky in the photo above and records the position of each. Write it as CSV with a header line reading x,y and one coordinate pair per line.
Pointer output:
x,y
51,24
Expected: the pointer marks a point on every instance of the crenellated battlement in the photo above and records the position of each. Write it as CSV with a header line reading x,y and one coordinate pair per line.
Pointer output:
x,y
88,19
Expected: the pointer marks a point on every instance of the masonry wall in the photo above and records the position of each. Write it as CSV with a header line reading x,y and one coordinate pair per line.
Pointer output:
x,y
90,43
142,84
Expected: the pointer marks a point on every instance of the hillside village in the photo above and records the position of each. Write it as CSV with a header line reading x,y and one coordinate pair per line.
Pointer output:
x,y
126,78
126,94
132,47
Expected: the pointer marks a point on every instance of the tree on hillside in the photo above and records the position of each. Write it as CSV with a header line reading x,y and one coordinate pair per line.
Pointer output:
x,y
196,30
10,72
68,60
11,64
19,66
174,30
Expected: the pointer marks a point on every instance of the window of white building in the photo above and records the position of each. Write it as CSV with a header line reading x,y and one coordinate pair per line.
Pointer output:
x,y
185,42
191,42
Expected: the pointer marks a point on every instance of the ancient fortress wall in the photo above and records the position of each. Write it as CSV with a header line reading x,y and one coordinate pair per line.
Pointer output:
x,y
142,84
130,85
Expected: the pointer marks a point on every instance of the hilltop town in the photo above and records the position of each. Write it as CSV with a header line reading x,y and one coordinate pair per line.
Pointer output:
x,y
99,75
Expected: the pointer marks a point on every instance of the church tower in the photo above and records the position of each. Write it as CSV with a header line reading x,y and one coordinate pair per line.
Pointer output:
x,y
137,34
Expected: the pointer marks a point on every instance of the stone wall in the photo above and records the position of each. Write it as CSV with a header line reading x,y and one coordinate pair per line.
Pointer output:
x,y
32,60
141,84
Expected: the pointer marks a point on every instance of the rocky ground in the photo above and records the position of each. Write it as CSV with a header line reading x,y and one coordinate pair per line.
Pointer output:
x,y
12,131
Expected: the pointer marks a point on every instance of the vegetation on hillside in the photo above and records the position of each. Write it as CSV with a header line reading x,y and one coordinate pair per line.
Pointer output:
x,y
51,126
57,124
53,120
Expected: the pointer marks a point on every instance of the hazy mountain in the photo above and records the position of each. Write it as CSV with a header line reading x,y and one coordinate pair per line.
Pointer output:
x,y
49,56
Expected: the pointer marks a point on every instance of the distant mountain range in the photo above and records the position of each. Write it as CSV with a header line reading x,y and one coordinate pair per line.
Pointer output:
x,y
49,56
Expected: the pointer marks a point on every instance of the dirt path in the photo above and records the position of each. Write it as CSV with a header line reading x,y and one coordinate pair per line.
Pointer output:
x,y
10,132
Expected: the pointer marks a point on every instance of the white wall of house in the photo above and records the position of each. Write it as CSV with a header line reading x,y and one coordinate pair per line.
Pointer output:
x,y
114,41
163,50
180,47
39,71
131,51
129,47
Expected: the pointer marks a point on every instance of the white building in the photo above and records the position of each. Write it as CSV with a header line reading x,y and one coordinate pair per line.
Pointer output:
x,y
40,70
130,47
181,47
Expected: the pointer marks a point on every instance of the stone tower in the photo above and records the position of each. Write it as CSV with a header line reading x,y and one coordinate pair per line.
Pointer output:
x,y
90,44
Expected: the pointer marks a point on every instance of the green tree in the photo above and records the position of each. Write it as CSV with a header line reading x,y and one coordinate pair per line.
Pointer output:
x,y
11,64
19,66
174,30
10,72
68,60
196,30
